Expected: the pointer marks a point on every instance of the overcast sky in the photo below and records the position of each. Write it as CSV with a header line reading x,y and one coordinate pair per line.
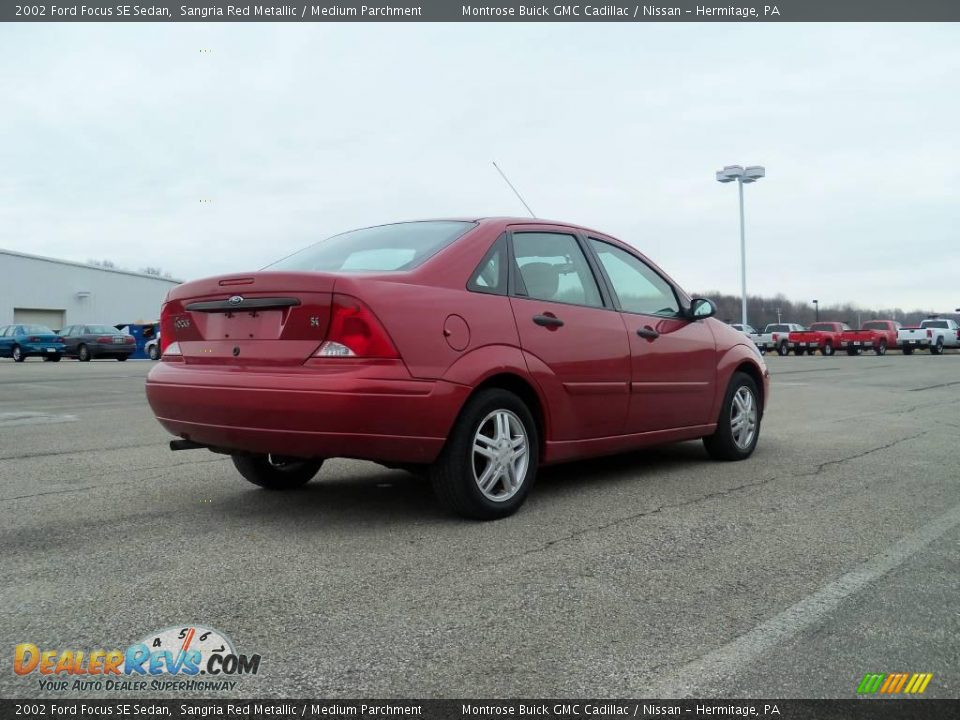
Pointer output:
x,y
113,134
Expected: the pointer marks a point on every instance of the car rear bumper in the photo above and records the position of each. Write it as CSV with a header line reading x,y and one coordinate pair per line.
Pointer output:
x,y
347,409
108,349
41,349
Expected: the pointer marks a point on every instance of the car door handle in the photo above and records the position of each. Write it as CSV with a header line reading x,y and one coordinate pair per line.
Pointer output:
x,y
648,332
549,321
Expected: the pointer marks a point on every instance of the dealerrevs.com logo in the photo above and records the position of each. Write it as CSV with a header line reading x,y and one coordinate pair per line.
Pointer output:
x,y
180,658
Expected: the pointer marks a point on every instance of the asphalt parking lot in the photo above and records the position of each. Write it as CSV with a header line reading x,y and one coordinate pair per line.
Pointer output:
x,y
833,552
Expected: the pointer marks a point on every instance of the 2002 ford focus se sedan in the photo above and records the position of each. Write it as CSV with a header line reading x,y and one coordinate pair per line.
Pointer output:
x,y
478,350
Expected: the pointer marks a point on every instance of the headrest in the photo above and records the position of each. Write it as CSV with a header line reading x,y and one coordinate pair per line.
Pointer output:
x,y
542,279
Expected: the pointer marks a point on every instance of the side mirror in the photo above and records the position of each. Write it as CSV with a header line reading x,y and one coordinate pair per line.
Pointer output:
x,y
701,308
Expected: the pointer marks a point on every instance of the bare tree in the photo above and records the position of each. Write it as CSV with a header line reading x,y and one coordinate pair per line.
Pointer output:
x,y
108,264
763,310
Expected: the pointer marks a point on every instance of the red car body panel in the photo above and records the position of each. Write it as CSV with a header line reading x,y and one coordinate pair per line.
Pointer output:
x,y
820,333
250,384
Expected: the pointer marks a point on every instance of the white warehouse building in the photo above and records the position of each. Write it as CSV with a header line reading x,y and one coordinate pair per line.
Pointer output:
x,y
57,293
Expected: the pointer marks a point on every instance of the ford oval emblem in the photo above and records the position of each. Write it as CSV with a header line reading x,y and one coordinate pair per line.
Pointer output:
x,y
236,300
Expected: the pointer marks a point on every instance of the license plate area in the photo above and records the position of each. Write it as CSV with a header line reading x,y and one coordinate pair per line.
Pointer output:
x,y
250,325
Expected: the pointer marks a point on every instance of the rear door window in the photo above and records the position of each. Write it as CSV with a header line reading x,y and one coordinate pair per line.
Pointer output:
x,y
552,267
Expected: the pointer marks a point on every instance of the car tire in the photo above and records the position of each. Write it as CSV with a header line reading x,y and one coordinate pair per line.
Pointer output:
x,y
17,354
907,350
509,432
827,349
83,353
728,442
122,358
881,349
154,352
938,348
275,474
783,349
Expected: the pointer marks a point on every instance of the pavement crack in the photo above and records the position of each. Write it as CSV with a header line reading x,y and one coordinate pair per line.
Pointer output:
x,y
127,481
625,519
543,547
81,451
856,456
934,387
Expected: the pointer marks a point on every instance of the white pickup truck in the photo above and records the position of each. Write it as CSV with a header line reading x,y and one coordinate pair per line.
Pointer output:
x,y
751,333
774,337
934,334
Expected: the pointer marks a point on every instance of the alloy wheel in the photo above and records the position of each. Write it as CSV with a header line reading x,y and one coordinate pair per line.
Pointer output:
x,y
500,455
743,418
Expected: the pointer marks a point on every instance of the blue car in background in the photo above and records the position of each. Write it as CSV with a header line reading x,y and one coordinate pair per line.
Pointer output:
x,y
21,341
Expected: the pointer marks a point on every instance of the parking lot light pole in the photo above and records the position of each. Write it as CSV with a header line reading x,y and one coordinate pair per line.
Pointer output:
x,y
742,175
816,307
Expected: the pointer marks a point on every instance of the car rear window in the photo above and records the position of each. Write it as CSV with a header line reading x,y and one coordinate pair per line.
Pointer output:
x,y
874,326
822,327
934,324
102,330
401,246
778,328
37,330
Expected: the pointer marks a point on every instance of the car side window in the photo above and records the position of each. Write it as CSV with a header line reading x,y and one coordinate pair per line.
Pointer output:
x,y
491,274
552,267
639,288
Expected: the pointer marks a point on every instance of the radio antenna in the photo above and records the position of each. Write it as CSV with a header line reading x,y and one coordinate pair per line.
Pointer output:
x,y
515,191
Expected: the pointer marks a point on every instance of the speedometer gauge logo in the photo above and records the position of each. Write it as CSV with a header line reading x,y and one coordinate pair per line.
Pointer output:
x,y
188,650
195,642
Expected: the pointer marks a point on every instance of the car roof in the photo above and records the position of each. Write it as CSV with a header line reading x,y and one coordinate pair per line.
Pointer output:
x,y
505,220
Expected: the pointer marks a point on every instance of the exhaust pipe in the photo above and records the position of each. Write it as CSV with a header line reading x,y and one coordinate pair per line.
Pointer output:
x,y
186,445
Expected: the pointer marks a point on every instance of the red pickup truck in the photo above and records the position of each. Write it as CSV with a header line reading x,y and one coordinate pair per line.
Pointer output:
x,y
824,336
878,335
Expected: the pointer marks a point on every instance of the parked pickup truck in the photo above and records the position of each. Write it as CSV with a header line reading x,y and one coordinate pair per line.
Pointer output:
x,y
876,335
774,337
823,336
934,334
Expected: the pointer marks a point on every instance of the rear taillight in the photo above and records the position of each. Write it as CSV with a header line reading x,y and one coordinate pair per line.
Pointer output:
x,y
61,340
172,353
775,336
929,333
104,339
33,339
355,332
128,340
166,328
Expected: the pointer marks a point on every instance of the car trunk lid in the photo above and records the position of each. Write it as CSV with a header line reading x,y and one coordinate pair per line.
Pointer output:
x,y
264,318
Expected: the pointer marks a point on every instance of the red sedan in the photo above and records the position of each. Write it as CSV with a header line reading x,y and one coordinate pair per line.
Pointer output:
x,y
476,349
